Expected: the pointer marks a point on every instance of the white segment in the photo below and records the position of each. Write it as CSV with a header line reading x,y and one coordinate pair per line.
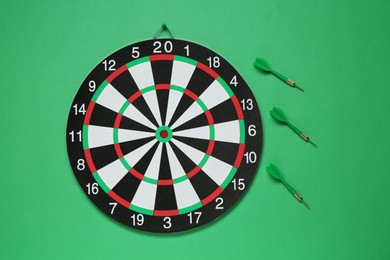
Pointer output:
x,y
202,132
142,75
133,113
145,196
111,98
228,132
217,170
214,95
181,73
176,168
152,101
154,166
100,136
194,154
193,111
133,157
112,173
173,102
185,194
125,135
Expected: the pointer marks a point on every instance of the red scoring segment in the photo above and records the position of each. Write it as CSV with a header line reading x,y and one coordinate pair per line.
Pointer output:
x,y
237,105
119,199
90,108
116,73
162,57
206,69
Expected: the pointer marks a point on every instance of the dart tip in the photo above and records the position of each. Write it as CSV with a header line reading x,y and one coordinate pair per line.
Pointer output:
x,y
313,144
296,86
304,203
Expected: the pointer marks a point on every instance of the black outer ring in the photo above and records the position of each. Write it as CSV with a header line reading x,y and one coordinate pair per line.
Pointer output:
x,y
209,211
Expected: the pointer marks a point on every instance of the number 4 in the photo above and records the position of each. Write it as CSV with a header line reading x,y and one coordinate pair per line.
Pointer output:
x,y
234,81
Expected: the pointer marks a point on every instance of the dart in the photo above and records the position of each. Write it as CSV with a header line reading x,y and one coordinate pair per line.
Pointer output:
x,y
275,172
262,64
279,115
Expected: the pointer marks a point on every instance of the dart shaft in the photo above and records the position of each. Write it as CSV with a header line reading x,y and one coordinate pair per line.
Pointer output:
x,y
289,188
295,193
290,82
294,128
280,76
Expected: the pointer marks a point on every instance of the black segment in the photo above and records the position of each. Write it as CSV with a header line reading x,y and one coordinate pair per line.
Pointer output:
x,y
130,146
224,112
199,144
184,103
103,155
162,71
127,123
142,165
143,107
165,169
198,121
102,116
127,187
165,198
199,81
187,164
125,84
203,184
162,96
226,152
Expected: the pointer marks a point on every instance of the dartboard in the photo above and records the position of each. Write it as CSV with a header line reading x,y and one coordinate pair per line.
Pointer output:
x,y
164,135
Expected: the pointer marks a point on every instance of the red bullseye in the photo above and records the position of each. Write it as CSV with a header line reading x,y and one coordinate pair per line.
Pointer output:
x,y
164,134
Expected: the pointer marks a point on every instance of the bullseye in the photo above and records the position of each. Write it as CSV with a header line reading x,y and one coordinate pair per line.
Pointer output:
x,y
164,133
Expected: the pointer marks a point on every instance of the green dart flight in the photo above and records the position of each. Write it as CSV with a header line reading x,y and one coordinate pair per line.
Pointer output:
x,y
262,64
280,116
275,172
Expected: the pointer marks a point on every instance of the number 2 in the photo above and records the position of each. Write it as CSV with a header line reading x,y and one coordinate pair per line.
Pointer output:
x,y
219,202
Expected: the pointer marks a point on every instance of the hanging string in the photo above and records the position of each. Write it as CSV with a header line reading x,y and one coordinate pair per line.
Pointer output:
x,y
163,27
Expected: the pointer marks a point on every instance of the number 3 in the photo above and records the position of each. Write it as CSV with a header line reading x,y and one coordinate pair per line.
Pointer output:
x,y
167,223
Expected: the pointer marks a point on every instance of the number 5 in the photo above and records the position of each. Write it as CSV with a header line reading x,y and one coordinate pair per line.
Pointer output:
x,y
135,52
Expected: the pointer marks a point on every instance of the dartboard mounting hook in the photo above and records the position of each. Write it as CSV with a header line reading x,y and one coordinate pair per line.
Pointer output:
x,y
163,27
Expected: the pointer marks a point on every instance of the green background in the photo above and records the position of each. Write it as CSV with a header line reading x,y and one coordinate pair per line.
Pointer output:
x,y
338,52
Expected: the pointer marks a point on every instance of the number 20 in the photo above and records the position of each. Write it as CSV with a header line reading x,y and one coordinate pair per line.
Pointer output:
x,y
168,47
